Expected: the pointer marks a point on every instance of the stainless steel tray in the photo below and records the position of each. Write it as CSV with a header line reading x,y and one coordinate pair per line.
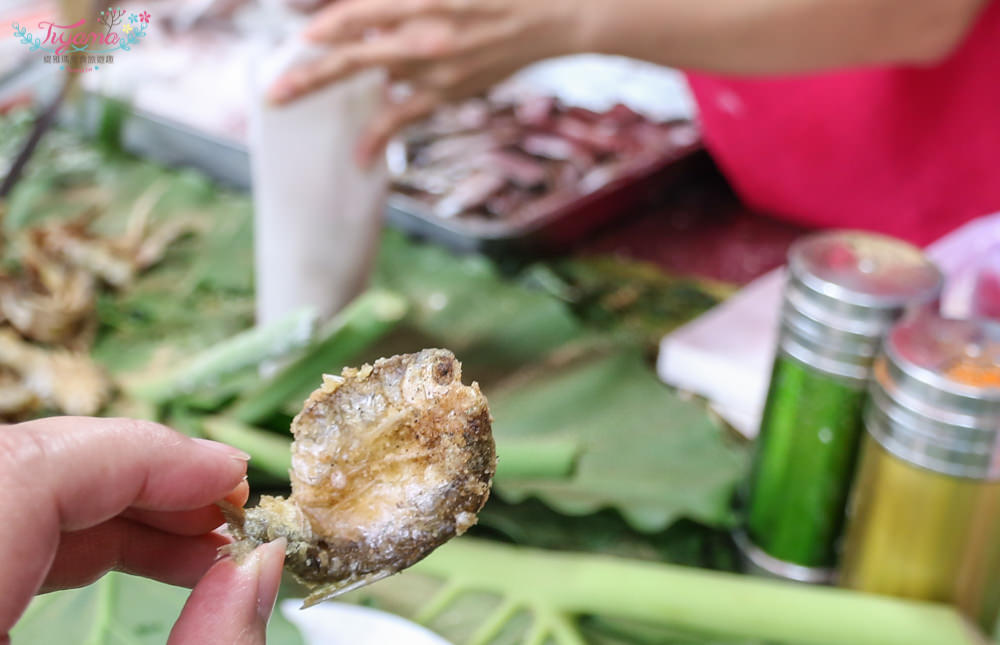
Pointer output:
x,y
168,142
560,225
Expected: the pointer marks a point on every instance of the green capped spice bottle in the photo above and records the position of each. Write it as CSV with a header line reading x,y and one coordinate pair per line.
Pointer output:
x,y
844,291
924,516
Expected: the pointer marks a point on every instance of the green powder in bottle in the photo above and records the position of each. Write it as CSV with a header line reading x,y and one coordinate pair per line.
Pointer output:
x,y
806,453
844,291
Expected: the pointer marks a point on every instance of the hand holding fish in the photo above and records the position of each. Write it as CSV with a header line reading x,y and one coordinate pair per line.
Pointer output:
x,y
84,496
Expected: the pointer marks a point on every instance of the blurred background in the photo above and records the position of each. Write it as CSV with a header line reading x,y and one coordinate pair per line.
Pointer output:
x,y
176,248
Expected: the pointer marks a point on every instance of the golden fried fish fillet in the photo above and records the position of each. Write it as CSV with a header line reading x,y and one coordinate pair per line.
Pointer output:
x,y
389,461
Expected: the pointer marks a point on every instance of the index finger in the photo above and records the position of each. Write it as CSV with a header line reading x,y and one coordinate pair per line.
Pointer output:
x,y
350,19
91,469
70,473
335,65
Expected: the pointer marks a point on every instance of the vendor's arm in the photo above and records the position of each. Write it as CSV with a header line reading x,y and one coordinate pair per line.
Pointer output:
x,y
777,36
451,49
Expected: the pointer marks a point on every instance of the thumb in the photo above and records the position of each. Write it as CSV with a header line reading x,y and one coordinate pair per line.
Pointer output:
x,y
233,602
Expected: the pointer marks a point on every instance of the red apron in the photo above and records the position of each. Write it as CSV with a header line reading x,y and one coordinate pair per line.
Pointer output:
x,y
909,151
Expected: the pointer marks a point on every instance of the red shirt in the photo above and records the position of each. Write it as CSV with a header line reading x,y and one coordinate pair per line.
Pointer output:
x,y
908,151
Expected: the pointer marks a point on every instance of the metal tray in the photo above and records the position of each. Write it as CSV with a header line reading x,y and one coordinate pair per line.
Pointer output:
x,y
168,142
560,225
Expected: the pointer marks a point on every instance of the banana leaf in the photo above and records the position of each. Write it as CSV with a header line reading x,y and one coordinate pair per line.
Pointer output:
x,y
645,451
466,304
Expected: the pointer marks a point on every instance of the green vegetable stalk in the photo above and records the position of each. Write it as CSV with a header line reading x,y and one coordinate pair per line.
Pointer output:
x,y
361,323
556,587
541,458
243,350
269,452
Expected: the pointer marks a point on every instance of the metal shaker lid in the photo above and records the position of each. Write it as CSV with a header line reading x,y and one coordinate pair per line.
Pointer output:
x,y
949,364
936,393
864,269
845,290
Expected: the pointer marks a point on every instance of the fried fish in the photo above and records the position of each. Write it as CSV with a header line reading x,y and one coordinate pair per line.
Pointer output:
x,y
389,461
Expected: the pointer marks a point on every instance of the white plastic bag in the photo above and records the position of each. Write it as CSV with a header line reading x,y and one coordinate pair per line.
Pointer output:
x,y
317,214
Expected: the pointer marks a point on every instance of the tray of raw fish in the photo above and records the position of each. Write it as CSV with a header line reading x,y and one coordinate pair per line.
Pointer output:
x,y
530,172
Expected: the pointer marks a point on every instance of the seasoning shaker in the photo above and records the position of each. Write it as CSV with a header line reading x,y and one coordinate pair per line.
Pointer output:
x,y
924,515
845,289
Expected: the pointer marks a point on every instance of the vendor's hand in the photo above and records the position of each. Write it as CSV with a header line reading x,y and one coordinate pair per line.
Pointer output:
x,y
444,49
83,496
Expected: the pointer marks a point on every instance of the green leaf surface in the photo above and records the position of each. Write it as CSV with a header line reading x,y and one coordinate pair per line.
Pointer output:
x,y
633,297
202,291
534,524
646,452
118,609
465,304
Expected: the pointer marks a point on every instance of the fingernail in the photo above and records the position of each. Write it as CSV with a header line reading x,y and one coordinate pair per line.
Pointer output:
x,y
235,453
272,557
238,496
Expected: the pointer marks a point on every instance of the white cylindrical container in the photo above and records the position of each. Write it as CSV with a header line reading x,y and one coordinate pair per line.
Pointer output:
x,y
317,213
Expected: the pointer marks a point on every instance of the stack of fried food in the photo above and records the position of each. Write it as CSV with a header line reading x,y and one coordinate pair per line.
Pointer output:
x,y
48,313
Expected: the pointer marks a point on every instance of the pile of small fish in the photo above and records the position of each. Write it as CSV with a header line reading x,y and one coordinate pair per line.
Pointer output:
x,y
514,157
48,316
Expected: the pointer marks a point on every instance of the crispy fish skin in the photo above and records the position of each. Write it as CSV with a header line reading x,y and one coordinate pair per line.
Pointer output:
x,y
389,461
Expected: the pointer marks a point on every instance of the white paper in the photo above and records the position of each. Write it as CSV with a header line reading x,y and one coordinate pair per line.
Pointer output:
x,y
725,355
317,214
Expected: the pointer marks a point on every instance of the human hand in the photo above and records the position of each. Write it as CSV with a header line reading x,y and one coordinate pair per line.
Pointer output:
x,y
444,50
83,496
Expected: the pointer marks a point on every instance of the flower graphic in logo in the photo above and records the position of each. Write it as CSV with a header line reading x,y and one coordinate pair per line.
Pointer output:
x,y
144,16
127,29
133,18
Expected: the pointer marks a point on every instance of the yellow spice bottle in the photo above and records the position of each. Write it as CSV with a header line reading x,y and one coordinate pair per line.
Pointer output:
x,y
924,516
